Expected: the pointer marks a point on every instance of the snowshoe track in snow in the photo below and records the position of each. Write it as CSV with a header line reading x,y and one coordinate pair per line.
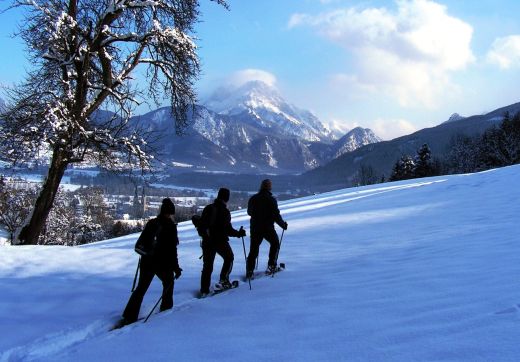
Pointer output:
x,y
54,343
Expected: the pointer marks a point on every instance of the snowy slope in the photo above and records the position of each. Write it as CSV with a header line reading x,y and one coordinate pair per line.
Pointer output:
x,y
415,270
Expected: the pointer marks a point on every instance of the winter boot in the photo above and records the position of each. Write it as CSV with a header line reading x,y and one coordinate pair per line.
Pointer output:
x,y
250,275
121,323
271,269
223,284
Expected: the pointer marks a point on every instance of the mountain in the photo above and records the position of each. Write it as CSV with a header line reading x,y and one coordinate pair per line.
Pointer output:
x,y
416,270
265,105
356,138
215,142
381,156
250,129
455,117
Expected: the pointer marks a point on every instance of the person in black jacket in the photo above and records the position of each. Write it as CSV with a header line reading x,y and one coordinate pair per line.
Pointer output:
x,y
163,262
264,212
216,223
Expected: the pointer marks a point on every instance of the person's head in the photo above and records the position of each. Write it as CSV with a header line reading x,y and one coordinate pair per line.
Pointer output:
x,y
223,194
266,185
167,207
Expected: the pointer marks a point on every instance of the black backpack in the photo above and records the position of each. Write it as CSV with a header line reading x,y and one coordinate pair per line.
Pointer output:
x,y
147,241
202,225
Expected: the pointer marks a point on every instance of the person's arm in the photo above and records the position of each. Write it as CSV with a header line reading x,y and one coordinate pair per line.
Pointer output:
x,y
230,230
276,213
175,258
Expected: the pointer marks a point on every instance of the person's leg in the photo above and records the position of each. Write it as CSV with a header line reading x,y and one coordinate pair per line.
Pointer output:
x,y
254,247
168,283
208,259
225,251
146,274
272,238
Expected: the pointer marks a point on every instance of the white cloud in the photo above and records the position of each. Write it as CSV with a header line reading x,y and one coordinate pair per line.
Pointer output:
x,y
505,52
389,129
340,126
407,54
246,75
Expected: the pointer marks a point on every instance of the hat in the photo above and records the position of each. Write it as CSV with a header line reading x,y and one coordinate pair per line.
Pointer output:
x,y
167,207
223,194
266,185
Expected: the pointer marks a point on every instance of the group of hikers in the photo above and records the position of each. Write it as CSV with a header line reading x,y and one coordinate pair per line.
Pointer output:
x,y
215,228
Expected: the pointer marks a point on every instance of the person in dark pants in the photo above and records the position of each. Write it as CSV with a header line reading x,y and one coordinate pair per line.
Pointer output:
x,y
216,223
264,212
163,262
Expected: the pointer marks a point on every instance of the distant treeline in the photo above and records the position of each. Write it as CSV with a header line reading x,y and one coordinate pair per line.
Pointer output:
x,y
499,146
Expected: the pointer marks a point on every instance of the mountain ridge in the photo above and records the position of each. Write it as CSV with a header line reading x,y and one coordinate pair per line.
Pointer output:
x,y
251,129
341,171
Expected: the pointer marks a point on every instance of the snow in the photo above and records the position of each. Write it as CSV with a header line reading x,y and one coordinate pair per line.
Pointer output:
x,y
417,270
266,103
35,178
182,165
4,237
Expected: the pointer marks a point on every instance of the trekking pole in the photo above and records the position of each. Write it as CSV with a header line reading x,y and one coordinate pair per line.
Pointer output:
x,y
156,304
136,271
278,251
245,257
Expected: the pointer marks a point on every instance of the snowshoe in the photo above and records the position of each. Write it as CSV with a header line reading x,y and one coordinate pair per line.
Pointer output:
x,y
273,269
226,284
122,323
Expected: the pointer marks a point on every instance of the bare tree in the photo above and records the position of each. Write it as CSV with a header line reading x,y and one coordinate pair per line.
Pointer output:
x,y
16,200
84,55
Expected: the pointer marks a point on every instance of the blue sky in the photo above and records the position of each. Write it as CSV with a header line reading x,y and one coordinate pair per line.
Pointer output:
x,y
393,66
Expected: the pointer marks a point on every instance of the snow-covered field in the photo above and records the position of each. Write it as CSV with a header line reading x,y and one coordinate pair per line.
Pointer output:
x,y
416,270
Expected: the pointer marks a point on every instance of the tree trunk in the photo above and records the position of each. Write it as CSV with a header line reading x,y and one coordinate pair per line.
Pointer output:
x,y
32,229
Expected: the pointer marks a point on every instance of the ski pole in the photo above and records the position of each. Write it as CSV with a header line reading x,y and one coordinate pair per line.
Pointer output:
x,y
136,271
156,304
245,257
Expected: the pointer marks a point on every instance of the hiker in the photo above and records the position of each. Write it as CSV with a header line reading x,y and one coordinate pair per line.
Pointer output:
x,y
264,212
161,261
216,221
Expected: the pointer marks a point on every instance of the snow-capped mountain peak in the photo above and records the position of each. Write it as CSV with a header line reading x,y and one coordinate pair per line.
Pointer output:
x,y
251,95
354,139
455,117
254,128
265,104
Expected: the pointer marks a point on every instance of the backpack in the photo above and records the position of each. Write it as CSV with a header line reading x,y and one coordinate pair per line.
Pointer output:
x,y
203,226
147,241
197,222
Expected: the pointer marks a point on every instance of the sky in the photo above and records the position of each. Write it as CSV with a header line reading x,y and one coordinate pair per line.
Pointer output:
x,y
392,66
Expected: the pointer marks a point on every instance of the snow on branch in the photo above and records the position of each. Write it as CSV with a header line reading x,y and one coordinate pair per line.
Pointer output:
x,y
84,54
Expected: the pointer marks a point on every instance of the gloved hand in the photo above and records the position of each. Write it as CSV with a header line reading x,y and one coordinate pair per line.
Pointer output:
x,y
178,273
284,226
241,233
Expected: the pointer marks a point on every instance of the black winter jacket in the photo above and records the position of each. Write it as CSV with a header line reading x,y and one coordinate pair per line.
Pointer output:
x,y
264,212
216,219
165,253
